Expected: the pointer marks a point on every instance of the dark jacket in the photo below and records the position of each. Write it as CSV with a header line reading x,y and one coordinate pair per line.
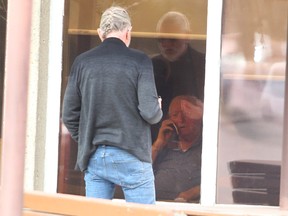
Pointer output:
x,y
111,99
184,76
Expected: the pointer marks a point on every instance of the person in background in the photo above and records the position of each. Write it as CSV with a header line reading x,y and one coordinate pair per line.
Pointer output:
x,y
179,69
109,104
177,151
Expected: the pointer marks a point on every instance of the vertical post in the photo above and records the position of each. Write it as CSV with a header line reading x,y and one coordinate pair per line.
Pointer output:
x,y
212,97
284,166
15,106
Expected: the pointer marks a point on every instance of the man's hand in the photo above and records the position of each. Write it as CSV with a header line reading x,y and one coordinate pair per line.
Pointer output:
x,y
191,194
165,132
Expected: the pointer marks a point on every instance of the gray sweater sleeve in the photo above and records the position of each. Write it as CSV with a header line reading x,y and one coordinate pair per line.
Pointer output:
x,y
72,107
147,95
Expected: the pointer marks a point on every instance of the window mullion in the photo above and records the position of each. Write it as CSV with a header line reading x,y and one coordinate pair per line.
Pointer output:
x,y
284,166
211,103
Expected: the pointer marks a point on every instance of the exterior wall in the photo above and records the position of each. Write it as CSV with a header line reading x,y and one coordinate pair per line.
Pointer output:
x,y
32,127
41,162
41,166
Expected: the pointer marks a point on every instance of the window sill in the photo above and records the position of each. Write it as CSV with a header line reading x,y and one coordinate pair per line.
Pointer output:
x,y
224,210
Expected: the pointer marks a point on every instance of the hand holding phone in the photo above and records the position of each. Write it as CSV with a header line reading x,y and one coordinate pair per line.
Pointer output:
x,y
174,134
167,134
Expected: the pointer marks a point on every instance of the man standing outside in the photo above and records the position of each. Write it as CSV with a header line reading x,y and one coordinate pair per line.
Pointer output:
x,y
109,104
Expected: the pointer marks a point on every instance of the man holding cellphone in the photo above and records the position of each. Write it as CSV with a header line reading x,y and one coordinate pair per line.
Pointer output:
x,y
177,157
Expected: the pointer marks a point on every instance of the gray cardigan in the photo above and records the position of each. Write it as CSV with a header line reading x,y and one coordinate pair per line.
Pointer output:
x,y
111,99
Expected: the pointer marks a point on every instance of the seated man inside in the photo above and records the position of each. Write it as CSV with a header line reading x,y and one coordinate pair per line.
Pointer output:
x,y
177,150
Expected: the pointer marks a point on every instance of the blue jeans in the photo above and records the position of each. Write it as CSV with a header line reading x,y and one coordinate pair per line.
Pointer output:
x,y
110,166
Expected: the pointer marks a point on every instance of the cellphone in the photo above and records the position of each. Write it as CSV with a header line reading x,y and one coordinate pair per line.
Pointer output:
x,y
175,134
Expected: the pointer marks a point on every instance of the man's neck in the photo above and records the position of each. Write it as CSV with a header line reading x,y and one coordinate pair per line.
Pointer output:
x,y
120,35
186,144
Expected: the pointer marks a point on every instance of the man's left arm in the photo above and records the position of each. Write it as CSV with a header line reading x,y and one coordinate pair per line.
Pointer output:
x,y
189,195
149,107
71,110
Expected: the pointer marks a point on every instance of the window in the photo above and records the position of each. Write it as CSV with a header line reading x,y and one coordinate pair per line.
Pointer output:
x,y
253,64
82,20
248,87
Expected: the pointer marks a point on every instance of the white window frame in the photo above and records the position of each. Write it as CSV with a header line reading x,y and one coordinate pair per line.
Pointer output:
x,y
212,86
211,114
53,95
210,132
210,121
211,103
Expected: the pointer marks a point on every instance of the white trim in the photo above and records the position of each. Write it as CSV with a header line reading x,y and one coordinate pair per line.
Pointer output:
x,y
30,149
53,95
223,210
284,165
211,103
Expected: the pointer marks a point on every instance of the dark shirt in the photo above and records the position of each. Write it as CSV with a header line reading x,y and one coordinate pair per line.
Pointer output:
x,y
184,76
176,171
111,99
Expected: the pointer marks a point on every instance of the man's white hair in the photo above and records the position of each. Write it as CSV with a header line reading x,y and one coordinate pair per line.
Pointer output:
x,y
114,19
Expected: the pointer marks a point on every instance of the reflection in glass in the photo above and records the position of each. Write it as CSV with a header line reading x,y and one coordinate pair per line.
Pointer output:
x,y
252,101
81,22
179,75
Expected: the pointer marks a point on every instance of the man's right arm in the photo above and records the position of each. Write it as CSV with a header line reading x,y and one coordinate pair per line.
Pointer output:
x,y
162,140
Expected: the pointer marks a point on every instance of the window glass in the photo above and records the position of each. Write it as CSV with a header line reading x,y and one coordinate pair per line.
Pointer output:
x,y
3,17
253,62
179,72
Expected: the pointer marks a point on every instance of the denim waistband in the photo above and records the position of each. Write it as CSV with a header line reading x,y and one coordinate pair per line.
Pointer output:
x,y
106,146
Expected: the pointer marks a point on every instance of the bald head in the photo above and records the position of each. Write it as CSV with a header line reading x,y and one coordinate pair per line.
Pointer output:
x,y
174,29
173,22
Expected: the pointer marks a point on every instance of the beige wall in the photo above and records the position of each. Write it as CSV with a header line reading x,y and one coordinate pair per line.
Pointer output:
x,y
144,14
